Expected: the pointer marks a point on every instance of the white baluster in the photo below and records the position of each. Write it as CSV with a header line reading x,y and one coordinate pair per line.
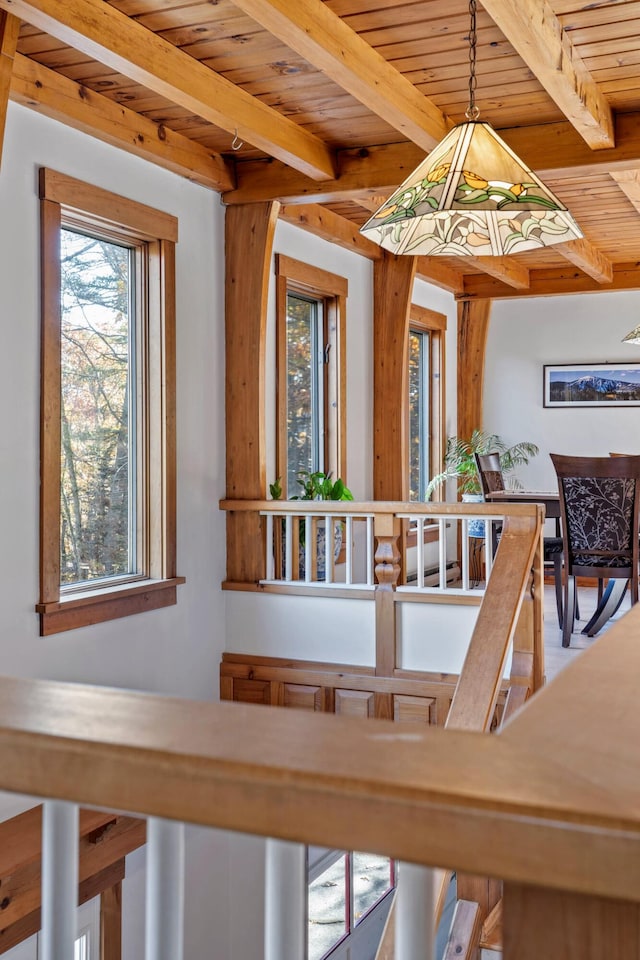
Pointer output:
x,y
328,549
414,936
420,549
271,560
349,550
165,890
288,540
59,879
370,552
285,895
309,544
442,552
464,546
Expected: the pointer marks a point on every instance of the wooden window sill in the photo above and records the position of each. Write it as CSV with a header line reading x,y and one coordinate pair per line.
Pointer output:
x,y
97,606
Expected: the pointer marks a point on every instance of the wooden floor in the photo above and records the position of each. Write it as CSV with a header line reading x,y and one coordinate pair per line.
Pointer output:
x,y
556,656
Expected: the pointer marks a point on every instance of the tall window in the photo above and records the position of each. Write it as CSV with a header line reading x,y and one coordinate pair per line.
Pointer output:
x,y
98,350
311,371
108,397
306,349
426,397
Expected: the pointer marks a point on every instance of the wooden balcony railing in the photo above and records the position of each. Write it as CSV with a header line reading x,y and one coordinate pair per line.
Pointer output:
x,y
350,534
551,805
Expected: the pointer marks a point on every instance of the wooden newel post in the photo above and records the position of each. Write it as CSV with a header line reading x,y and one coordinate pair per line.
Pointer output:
x,y
386,530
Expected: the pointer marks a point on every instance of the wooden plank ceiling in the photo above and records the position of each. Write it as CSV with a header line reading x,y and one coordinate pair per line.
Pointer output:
x,y
326,105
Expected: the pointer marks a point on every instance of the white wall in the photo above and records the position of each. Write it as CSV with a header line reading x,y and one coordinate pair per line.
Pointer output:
x,y
175,650
171,650
523,336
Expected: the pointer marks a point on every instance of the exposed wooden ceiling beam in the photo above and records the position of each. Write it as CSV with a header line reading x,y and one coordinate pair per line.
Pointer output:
x,y
533,29
551,282
629,183
9,29
330,226
53,95
326,41
584,255
554,150
440,274
104,33
510,271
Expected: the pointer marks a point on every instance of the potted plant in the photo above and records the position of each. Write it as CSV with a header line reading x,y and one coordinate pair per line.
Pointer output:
x,y
460,464
316,485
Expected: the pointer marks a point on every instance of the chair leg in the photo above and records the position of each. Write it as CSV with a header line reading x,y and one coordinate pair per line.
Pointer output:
x,y
611,600
557,576
569,609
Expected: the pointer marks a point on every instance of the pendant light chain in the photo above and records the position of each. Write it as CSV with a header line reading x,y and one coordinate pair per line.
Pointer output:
x,y
472,112
471,195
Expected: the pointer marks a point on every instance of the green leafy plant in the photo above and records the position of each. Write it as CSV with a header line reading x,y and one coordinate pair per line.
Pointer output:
x,y
275,488
315,486
460,464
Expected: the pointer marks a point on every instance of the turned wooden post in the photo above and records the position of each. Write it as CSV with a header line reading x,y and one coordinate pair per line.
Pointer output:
x,y
386,528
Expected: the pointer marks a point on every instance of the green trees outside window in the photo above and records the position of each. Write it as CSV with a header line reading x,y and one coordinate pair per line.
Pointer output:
x,y
98,482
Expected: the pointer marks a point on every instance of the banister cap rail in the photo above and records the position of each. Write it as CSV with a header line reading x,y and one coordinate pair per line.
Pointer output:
x,y
368,507
528,805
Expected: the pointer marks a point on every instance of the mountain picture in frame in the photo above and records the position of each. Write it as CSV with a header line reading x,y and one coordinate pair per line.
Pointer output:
x,y
592,385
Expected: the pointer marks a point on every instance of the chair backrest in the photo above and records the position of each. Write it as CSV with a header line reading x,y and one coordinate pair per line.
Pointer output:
x,y
600,511
490,472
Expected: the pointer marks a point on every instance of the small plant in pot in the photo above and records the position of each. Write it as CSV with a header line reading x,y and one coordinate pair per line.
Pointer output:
x,y
460,464
316,485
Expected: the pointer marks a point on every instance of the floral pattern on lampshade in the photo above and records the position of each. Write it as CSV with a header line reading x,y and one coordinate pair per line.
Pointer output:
x,y
471,196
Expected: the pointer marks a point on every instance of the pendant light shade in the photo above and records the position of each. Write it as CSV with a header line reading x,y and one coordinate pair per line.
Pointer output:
x,y
633,337
471,196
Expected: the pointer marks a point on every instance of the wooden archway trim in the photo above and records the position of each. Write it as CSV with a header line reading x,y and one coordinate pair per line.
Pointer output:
x,y
392,291
473,327
249,235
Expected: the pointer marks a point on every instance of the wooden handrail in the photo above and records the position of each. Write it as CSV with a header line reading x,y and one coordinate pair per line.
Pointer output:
x,y
553,801
362,508
479,684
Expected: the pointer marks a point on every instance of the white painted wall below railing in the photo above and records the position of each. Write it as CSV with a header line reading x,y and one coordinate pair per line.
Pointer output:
x,y
302,628
434,636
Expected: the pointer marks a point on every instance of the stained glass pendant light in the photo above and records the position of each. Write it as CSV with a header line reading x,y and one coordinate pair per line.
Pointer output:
x,y
472,195
633,337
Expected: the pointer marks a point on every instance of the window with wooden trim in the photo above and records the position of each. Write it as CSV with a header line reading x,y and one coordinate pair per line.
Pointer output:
x,y
107,493
426,397
311,371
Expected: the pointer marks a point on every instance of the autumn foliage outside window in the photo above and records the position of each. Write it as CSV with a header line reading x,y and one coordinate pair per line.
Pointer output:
x,y
108,484
98,479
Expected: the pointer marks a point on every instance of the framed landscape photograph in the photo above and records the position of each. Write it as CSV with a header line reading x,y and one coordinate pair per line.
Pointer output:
x,y
592,385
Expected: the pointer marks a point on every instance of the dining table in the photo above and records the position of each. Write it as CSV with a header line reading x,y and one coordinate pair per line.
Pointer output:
x,y
550,499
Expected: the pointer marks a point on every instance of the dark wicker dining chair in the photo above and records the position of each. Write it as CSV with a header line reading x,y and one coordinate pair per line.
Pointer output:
x,y
600,510
492,481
